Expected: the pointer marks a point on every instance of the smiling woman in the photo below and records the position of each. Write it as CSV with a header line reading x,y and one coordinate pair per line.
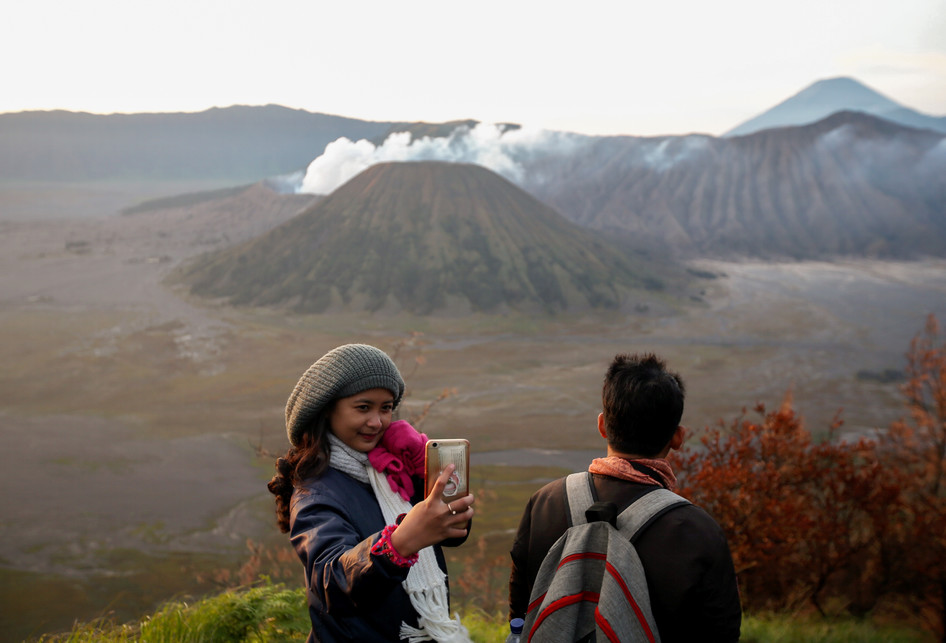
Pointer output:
x,y
349,493
360,420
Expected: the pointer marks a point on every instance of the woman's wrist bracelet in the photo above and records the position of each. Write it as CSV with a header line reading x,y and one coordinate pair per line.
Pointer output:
x,y
384,547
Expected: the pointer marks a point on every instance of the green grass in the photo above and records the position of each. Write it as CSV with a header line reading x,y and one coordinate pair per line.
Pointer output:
x,y
485,627
271,613
268,613
784,628
263,614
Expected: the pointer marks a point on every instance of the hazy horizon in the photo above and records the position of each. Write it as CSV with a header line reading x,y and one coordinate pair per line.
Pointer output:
x,y
601,70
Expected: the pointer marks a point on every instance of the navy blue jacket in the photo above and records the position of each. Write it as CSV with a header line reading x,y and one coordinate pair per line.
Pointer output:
x,y
353,595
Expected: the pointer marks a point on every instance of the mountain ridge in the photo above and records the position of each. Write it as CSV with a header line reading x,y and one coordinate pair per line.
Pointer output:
x,y
849,185
241,143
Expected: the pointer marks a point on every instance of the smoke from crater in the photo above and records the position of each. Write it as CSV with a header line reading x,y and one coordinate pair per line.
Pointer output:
x,y
492,146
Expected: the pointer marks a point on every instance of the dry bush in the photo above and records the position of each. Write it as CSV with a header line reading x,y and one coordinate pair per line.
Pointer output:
x,y
853,522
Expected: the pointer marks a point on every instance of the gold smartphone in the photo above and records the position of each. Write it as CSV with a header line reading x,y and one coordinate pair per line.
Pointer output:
x,y
437,455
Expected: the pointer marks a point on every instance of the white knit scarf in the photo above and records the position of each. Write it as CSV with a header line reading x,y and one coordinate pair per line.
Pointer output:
x,y
426,583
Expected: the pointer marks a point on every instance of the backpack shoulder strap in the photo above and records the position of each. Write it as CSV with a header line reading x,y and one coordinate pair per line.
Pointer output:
x,y
579,495
646,509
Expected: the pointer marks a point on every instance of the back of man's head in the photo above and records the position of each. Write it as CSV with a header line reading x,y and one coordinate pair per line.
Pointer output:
x,y
642,403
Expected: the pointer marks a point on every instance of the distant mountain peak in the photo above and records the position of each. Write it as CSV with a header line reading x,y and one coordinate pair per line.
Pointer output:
x,y
842,93
828,96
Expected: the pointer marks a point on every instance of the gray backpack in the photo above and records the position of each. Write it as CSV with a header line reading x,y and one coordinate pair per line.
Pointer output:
x,y
591,585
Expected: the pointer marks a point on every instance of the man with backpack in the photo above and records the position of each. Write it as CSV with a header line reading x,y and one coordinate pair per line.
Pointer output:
x,y
590,587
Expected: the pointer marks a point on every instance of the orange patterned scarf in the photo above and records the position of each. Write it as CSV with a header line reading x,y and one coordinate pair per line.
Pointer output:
x,y
652,471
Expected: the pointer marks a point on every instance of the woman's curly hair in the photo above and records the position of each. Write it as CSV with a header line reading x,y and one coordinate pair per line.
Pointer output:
x,y
308,459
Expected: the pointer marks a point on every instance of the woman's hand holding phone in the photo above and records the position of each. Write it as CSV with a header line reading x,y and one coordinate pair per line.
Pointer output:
x,y
432,521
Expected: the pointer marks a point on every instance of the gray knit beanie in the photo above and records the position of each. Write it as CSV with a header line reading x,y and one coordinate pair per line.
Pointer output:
x,y
341,372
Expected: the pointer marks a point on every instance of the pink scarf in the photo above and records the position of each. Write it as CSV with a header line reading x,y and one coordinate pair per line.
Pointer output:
x,y
400,455
623,470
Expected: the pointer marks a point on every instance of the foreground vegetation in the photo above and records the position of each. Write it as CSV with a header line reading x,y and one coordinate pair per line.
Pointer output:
x,y
271,613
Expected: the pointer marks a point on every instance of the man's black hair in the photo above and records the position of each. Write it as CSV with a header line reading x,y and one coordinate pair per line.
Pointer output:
x,y
642,403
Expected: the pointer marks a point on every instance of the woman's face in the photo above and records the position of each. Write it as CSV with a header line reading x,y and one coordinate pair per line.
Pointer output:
x,y
361,419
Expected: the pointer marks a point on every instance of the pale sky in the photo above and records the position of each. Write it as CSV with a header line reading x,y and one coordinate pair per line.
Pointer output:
x,y
618,67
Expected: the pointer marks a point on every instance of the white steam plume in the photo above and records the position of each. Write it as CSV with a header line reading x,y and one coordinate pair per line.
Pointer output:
x,y
486,144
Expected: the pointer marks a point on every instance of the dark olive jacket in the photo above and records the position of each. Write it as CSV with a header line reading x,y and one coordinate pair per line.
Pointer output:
x,y
353,595
686,559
